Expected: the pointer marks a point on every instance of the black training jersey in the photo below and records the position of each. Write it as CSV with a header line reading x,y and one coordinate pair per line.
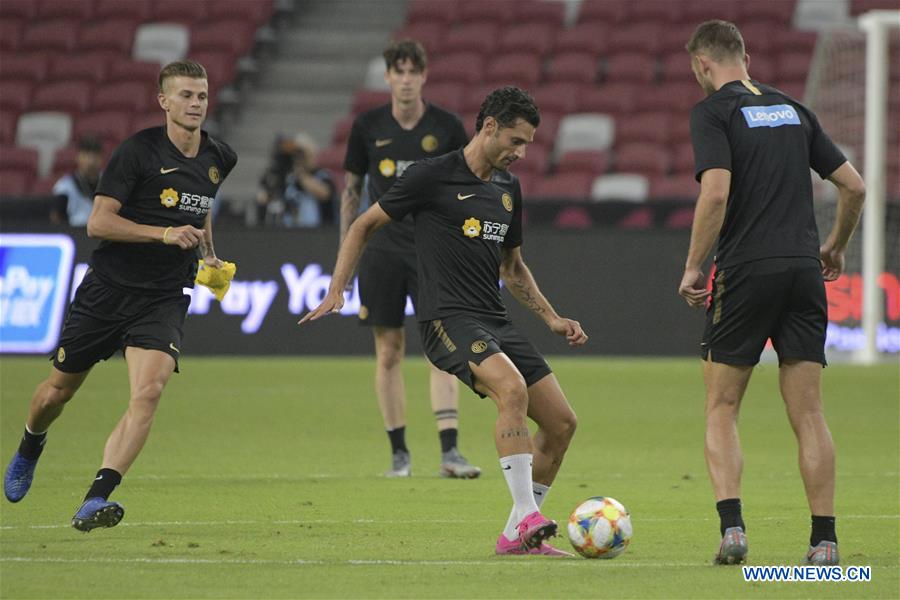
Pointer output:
x,y
380,148
768,141
158,185
461,222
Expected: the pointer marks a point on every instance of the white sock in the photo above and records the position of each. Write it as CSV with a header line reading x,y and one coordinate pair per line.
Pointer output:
x,y
518,478
539,493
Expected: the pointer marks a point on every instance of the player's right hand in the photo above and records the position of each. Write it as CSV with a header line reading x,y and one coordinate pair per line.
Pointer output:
x,y
331,304
693,287
185,237
832,263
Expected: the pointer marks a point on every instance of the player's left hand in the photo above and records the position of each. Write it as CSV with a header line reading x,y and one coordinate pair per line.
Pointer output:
x,y
693,287
571,329
331,304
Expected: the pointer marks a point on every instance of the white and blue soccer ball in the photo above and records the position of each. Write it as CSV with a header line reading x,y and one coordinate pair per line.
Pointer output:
x,y
600,527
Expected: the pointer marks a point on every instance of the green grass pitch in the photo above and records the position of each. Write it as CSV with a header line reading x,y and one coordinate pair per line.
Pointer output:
x,y
261,480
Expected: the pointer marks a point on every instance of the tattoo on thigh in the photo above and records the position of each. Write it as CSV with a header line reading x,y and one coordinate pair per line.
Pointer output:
x,y
514,433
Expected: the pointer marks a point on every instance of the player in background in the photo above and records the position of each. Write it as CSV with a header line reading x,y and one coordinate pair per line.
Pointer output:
x,y
468,235
152,214
753,149
383,143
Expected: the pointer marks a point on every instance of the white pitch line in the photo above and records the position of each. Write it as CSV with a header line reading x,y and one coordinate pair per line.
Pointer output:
x,y
506,561
398,522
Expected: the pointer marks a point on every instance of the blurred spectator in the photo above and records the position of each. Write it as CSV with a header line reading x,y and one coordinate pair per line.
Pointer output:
x,y
74,192
295,191
310,194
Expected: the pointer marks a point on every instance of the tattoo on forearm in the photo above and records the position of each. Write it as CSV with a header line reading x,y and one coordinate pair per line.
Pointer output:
x,y
514,433
522,290
206,248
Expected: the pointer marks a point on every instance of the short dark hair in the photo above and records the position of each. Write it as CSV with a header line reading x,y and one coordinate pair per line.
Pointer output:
x,y
181,68
400,50
720,39
506,105
89,143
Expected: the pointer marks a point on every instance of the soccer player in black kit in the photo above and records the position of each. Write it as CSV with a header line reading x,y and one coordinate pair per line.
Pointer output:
x,y
467,210
753,149
152,212
383,143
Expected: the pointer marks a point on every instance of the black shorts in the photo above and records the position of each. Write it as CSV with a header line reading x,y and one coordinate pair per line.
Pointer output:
x,y
103,319
778,298
452,342
385,279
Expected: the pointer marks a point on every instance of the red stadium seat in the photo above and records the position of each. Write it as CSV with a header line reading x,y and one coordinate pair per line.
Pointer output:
x,y
683,158
110,126
23,9
59,35
568,186
587,37
608,11
591,162
630,67
558,97
153,118
793,65
74,10
233,37
676,67
478,37
795,88
364,100
11,34
468,120
694,12
341,132
444,12
65,160
611,98
675,37
19,159
680,126
534,38
640,38
429,34
757,37
661,11
67,96
111,34
638,218
579,67
90,67
540,11
495,11
132,96
179,11
643,127
573,217
790,40
15,95
473,97
125,69
461,67
332,158
775,11
134,10
30,67
683,187
522,70
14,183
257,12
7,126
546,131
650,160
220,69
762,69
672,97
536,160
446,95
682,218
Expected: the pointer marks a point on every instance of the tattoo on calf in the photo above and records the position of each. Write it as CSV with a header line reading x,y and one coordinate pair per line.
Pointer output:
x,y
514,433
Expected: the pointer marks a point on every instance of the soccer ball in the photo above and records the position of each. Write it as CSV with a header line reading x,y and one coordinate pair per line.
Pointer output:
x,y
600,528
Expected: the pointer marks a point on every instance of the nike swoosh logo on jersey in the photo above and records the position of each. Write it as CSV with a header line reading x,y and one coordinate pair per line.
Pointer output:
x,y
461,197
167,171
380,143
172,346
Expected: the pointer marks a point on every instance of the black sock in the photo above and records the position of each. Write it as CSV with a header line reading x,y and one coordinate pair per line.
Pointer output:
x,y
32,444
822,530
398,439
448,439
730,514
104,484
